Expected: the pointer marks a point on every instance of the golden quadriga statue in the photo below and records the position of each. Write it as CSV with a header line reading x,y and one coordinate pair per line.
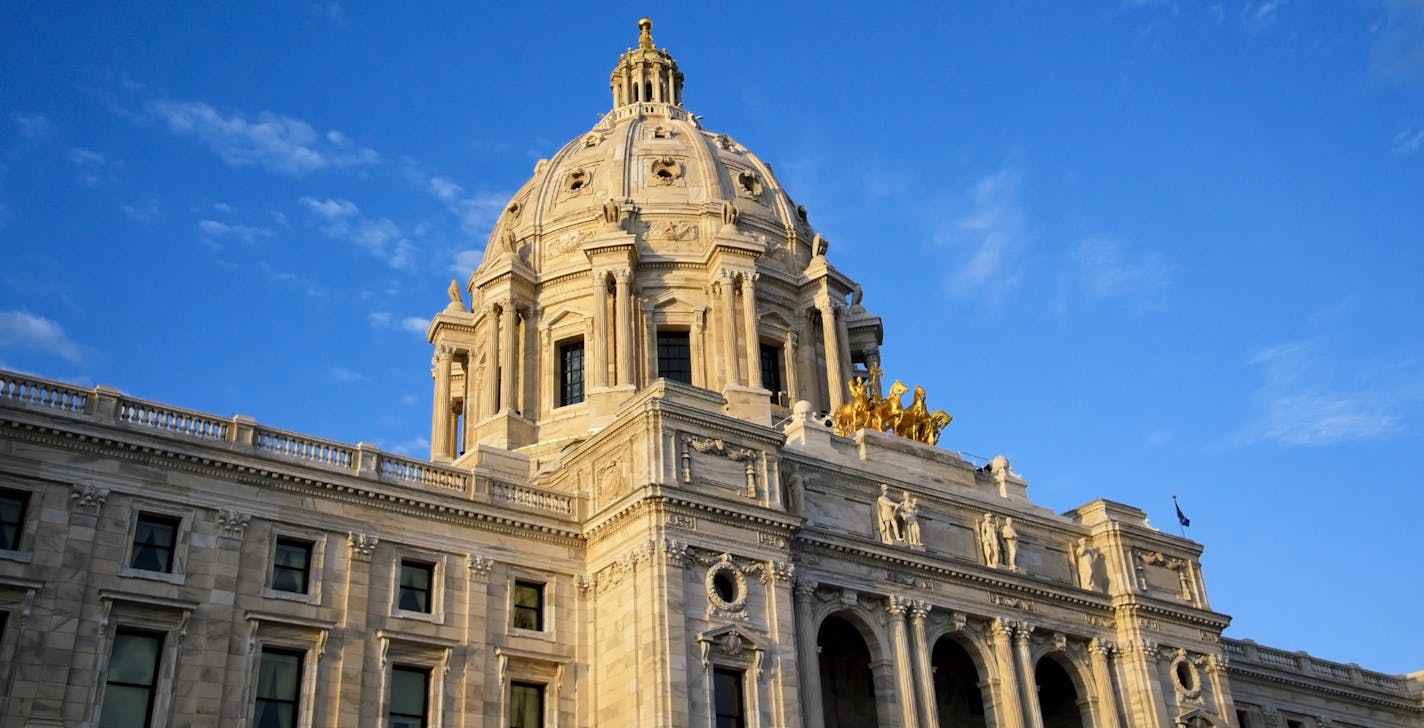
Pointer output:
x,y
867,410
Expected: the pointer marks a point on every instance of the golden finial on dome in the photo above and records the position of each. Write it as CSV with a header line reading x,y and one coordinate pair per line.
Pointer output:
x,y
645,36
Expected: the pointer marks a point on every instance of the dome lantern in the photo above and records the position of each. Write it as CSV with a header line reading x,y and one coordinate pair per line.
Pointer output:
x,y
646,74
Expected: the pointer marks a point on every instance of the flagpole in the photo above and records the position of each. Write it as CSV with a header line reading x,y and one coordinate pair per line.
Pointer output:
x,y
1181,519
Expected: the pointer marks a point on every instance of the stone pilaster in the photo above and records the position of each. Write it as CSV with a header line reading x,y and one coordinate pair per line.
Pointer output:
x,y
728,328
597,344
623,313
492,359
836,384
753,341
508,345
350,707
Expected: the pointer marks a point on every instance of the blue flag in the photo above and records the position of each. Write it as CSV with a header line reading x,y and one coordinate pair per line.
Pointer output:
x,y
1181,517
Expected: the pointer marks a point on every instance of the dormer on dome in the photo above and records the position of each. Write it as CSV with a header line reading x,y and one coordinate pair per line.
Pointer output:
x,y
645,248
646,74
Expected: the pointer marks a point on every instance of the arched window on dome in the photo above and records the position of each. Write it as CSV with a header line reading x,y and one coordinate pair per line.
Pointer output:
x,y
648,90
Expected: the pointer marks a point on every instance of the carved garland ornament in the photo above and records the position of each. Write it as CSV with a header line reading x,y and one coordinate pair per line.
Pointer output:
x,y
713,446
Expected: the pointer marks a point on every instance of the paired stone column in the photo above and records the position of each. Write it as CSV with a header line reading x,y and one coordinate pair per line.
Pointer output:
x,y
843,335
472,401
492,359
508,328
650,343
793,392
1028,697
1099,650
1008,708
623,312
729,328
904,681
836,382
808,655
440,440
924,673
753,342
597,345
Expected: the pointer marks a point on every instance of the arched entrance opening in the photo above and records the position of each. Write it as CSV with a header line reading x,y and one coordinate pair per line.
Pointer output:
x,y
1057,697
847,685
958,698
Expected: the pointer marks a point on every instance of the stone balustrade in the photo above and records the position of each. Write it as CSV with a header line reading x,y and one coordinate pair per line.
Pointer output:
x,y
243,435
1247,652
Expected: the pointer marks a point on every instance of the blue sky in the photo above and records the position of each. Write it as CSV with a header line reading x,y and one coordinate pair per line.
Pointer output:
x,y
1141,248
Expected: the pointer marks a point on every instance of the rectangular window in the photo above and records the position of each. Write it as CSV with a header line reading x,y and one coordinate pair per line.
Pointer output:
x,y
133,679
526,705
410,697
291,565
415,581
727,696
771,371
13,504
675,356
528,606
154,539
570,373
279,686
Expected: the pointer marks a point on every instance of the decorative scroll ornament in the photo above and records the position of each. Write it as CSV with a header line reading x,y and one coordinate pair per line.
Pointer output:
x,y
867,410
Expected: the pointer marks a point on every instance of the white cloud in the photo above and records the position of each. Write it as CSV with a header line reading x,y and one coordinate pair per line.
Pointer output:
x,y
1104,269
989,237
1408,141
215,231
415,324
1260,15
342,374
342,220
1398,54
277,143
142,213
466,261
379,319
32,126
23,331
414,447
91,167
223,208
1306,397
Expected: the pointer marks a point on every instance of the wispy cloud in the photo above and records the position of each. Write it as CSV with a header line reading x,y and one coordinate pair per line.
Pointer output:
x,y
1398,54
989,236
92,168
342,374
1103,268
379,319
415,324
335,13
274,142
1263,14
24,331
1408,141
144,214
476,213
341,219
32,126
465,262
215,232
1308,396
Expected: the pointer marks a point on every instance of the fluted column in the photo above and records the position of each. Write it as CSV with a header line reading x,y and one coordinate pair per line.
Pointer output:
x,y
650,344
793,391
507,328
597,345
1008,708
472,402
843,335
623,312
749,318
924,675
440,439
807,655
834,379
492,360
729,329
1098,652
1028,693
804,359
1215,669
904,680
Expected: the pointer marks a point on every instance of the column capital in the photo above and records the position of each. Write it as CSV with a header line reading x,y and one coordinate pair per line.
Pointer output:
x,y
805,588
919,609
622,275
1023,633
750,277
1100,646
896,605
1001,627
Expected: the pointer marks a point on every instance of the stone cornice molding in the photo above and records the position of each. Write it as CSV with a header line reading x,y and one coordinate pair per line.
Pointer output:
x,y
1358,694
222,464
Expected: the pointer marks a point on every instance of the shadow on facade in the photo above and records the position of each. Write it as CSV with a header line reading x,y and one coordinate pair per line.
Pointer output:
x,y
847,683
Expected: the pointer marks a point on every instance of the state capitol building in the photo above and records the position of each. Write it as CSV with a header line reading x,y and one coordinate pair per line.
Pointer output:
x,y
669,485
